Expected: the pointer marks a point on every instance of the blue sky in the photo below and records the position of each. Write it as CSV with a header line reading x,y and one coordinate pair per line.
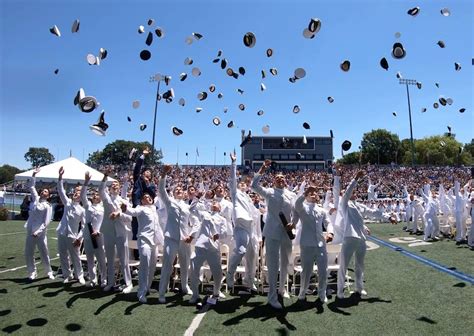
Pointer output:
x,y
37,106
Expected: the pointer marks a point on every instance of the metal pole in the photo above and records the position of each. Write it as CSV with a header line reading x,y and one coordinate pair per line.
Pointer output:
x,y
154,119
411,130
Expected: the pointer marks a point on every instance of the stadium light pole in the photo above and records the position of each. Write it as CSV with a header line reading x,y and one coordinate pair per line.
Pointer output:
x,y
155,78
410,82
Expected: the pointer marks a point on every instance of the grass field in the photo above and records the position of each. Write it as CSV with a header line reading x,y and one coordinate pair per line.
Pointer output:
x,y
405,297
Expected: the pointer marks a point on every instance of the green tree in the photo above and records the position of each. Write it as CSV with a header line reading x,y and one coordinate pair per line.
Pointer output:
x,y
467,151
380,146
117,153
441,150
7,173
39,156
350,158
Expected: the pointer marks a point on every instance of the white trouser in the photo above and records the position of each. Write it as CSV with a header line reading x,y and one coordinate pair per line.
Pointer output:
x,y
349,246
42,244
98,254
213,258
146,272
461,227
309,254
432,227
248,246
278,253
470,239
67,249
416,216
171,249
110,243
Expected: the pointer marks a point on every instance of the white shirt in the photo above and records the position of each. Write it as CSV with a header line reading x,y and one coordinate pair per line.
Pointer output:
x,y
40,213
120,226
149,230
211,223
313,218
177,225
94,213
73,216
277,200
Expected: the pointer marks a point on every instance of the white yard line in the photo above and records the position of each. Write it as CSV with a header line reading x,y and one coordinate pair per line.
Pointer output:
x,y
196,322
14,233
24,266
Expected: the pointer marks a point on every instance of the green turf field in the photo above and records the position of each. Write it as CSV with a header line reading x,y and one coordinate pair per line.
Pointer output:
x,y
405,297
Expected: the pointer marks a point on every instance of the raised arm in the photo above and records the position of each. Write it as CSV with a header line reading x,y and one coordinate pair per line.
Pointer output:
x,y
351,187
299,203
256,180
124,189
336,190
162,184
103,192
34,193
86,203
233,176
61,192
138,165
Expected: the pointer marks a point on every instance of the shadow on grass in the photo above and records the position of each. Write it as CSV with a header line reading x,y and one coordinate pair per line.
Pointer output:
x,y
260,311
37,322
88,293
352,301
175,300
120,297
426,319
460,285
12,328
73,327
5,312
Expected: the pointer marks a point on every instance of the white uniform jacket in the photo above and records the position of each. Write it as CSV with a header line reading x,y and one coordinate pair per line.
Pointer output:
x,y
73,216
120,226
177,225
40,213
277,200
149,230
313,218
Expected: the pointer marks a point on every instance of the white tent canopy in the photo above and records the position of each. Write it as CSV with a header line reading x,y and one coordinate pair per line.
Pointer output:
x,y
74,171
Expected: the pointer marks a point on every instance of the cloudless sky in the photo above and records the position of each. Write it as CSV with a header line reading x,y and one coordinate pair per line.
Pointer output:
x,y
37,106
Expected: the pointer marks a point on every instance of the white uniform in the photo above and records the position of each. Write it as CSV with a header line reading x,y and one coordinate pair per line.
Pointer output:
x,y
226,212
247,232
207,249
68,230
470,239
176,230
116,233
371,191
149,236
459,211
415,211
354,242
431,214
277,244
37,223
94,216
313,245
